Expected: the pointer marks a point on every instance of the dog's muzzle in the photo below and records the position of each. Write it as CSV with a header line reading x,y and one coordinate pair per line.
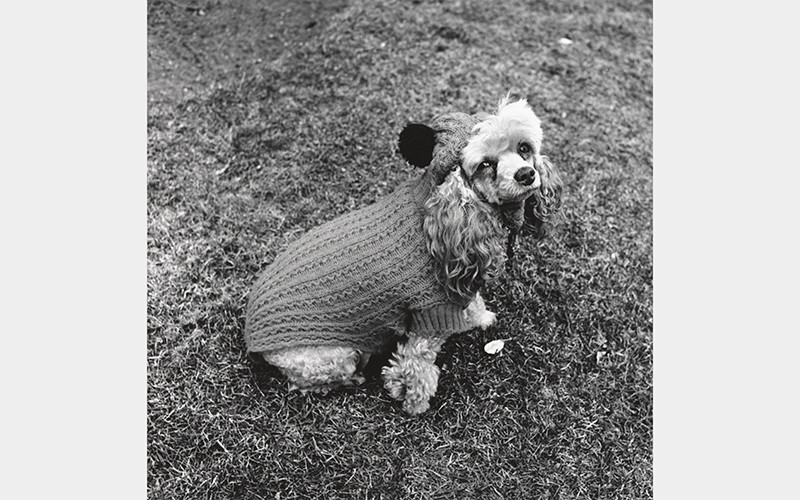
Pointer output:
x,y
525,176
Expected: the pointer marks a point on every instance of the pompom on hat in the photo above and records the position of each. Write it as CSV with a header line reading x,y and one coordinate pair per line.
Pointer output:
x,y
439,145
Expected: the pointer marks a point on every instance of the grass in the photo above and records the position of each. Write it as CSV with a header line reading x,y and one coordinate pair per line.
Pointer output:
x,y
266,120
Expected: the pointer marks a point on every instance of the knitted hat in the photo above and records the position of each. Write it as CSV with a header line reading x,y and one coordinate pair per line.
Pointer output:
x,y
439,147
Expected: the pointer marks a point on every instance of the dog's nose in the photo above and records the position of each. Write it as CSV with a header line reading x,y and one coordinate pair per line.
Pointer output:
x,y
525,176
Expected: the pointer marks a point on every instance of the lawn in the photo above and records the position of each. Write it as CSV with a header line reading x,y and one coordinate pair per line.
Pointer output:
x,y
266,119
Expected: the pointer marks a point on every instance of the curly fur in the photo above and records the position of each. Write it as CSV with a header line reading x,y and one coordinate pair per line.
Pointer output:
x,y
319,368
411,375
465,237
544,207
477,313
489,181
503,183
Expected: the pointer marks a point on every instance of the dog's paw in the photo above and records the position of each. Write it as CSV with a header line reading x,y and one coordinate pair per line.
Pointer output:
x,y
416,406
486,319
393,382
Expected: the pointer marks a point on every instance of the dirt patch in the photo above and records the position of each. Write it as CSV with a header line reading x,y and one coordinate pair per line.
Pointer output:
x,y
195,46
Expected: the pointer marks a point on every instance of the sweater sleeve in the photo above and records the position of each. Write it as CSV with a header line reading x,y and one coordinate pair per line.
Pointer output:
x,y
441,321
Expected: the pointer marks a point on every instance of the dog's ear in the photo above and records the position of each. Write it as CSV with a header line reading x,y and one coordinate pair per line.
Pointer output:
x,y
543,208
464,237
416,144
534,224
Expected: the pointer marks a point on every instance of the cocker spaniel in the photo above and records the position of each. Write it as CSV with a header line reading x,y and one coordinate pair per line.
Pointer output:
x,y
410,266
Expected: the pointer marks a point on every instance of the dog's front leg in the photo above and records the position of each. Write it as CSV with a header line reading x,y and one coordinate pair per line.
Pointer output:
x,y
477,314
412,376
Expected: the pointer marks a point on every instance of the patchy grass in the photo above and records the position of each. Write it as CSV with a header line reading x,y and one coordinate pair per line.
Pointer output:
x,y
266,120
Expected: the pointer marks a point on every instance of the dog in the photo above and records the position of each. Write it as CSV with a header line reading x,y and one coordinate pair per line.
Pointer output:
x,y
408,269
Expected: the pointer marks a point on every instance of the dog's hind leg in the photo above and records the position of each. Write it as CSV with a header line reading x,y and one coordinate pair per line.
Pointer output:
x,y
412,376
319,369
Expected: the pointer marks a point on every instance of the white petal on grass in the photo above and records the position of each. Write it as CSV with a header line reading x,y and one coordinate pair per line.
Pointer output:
x,y
565,41
494,346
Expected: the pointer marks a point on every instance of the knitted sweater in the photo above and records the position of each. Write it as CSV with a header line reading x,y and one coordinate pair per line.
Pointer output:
x,y
355,281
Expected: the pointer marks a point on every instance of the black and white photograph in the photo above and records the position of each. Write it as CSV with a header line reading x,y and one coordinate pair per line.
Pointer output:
x,y
400,249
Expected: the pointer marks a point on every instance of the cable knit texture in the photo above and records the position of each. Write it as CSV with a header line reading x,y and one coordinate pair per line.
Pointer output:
x,y
355,281
453,131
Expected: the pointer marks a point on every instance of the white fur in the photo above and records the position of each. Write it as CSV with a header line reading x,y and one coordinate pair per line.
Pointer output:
x,y
498,139
412,375
477,314
318,368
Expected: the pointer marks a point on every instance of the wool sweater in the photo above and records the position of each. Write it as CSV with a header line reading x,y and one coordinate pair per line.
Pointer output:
x,y
355,281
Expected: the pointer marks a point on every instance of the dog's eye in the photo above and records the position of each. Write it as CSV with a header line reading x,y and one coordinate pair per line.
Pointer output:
x,y
487,168
524,149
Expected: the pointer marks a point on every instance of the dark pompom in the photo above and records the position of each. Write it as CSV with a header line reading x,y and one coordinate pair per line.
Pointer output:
x,y
416,144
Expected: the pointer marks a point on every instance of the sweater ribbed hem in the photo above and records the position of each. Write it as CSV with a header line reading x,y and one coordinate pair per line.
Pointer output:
x,y
442,321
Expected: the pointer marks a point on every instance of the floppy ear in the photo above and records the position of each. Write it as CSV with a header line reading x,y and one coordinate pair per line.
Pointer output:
x,y
464,237
543,208
416,144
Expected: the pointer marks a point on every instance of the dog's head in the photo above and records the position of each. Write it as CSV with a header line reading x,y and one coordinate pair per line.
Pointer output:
x,y
503,157
499,157
489,173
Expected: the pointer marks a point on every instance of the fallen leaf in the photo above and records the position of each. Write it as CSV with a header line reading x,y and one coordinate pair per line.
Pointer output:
x,y
494,346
